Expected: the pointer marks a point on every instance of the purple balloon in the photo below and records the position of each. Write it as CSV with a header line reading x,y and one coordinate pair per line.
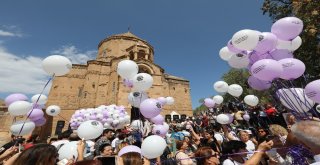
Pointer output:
x,y
256,56
35,115
128,149
159,130
279,54
233,49
74,124
159,119
266,69
150,108
257,84
162,100
128,83
15,97
105,113
37,106
208,102
246,117
287,28
267,42
93,117
313,90
292,68
40,122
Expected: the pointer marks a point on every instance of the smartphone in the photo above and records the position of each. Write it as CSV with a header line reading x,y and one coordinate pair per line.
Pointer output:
x,y
270,137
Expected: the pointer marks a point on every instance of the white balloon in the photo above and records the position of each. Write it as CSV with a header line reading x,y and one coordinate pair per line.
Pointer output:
x,y
221,86
99,116
295,99
109,120
225,53
107,126
28,127
290,45
217,99
69,150
239,61
54,110
136,98
318,108
251,100
235,90
18,108
224,119
142,82
170,100
56,64
90,129
42,100
158,145
166,126
127,69
245,39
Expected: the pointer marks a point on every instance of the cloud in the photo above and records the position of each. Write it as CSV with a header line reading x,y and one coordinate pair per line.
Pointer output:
x,y
9,34
25,74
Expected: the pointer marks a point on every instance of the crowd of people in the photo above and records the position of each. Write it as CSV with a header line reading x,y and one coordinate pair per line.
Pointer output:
x,y
198,140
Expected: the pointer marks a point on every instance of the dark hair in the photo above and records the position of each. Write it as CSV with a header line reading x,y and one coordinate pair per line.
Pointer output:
x,y
179,144
39,154
88,162
131,158
102,146
233,146
202,154
33,138
74,137
122,136
106,131
52,140
64,135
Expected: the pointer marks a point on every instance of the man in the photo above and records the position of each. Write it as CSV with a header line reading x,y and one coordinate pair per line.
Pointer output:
x,y
106,137
8,145
62,139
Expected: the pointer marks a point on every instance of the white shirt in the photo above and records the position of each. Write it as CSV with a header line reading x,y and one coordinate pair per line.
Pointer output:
x,y
113,143
231,162
59,142
218,137
250,147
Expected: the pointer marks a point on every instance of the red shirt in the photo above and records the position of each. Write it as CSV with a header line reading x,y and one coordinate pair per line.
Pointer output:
x,y
271,111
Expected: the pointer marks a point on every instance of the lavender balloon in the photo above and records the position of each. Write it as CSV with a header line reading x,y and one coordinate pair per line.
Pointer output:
x,y
128,83
292,68
35,114
15,97
159,130
208,102
150,108
159,119
162,100
40,122
234,49
267,42
279,54
313,90
266,69
129,149
256,56
287,28
257,84
246,117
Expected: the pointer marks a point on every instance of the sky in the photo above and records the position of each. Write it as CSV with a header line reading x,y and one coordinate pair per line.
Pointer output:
x,y
186,35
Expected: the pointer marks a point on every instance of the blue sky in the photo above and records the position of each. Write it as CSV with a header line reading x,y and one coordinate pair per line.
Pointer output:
x,y
186,35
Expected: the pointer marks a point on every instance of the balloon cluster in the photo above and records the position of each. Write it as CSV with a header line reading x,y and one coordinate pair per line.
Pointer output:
x,y
110,116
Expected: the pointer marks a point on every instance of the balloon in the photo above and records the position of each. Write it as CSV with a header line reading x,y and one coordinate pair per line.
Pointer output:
x,y
37,106
15,97
208,102
150,108
128,149
56,64
318,108
245,39
40,122
69,151
292,68
295,99
217,99
251,100
159,130
159,119
28,127
90,129
257,84
266,69
158,145
313,90
267,42
233,49
255,56
42,100
225,53
142,82
136,98
221,86
287,28
136,124
18,108
246,117
169,100
279,54
223,119
128,83
235,90
239,61
162,100
166,126
290,45
35,114
127,69
53,110
107,126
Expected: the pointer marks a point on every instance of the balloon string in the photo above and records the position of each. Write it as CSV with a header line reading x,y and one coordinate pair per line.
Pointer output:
x,y
34,105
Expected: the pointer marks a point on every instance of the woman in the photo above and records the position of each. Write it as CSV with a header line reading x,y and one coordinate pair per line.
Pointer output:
x,y
206,156
131,155
181,156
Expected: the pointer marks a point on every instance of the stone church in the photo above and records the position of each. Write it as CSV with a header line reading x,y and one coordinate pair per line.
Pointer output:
x,y
98,83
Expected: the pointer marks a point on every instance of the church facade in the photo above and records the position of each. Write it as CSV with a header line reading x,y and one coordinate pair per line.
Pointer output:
x,y
97,82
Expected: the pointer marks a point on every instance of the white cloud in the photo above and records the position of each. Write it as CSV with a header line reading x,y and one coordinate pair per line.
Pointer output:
x,y
9,34
25,74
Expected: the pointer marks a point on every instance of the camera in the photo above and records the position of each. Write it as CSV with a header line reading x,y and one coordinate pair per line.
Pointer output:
x,y
19,141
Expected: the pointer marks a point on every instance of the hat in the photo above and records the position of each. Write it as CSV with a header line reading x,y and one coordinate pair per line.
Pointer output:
x,y
128,149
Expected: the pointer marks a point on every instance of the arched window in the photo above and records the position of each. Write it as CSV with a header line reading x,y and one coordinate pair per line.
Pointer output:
x,y
145,69
141,55
131,54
